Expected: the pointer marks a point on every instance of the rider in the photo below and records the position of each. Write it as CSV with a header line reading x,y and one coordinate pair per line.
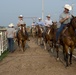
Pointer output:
x,y
65,18
40,23
33,24
21,22
48,22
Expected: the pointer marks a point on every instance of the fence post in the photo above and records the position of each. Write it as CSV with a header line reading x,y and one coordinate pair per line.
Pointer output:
x,y
3,41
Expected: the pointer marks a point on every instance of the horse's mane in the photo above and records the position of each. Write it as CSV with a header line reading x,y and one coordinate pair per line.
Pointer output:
x,y
71,22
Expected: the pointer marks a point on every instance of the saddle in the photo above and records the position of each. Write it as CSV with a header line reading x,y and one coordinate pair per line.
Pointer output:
x,y
64,33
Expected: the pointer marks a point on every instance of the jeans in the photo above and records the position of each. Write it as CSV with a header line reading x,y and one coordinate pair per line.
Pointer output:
x,y
10,44
59,31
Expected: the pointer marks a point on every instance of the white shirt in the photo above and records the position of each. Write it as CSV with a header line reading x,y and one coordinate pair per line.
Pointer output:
x,y
21,22
10,32
48,22
33,24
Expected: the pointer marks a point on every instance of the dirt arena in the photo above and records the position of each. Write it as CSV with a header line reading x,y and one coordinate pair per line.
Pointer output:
x,y
34,61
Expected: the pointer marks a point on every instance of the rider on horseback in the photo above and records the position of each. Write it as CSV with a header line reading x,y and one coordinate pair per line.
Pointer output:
x,y
21,23
33,24
65,18
48,22
40,23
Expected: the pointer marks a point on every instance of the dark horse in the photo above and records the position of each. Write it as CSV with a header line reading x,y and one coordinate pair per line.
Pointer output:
x,y
68,40
22,37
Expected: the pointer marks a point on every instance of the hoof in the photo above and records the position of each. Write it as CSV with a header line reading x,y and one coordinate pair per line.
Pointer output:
x,y
66,66
71,63
45,48
57,59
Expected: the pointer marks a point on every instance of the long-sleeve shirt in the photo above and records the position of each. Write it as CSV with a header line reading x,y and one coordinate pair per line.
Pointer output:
x,y
48,23
19,23
40,23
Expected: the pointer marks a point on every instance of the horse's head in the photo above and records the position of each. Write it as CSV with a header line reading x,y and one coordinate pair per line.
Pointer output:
x,y
42,29
23,28
73,22
51,30
54,23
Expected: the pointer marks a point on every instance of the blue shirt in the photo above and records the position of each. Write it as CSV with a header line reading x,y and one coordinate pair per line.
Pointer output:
x,y
40,23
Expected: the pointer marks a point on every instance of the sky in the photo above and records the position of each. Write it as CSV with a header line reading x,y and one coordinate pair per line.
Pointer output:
x,y
11,9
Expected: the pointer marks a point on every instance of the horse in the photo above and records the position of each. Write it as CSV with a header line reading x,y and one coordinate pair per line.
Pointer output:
x,y
39,34
67,40
49,35
22,37
33,29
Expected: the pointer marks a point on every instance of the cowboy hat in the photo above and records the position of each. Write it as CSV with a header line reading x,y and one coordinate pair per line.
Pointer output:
x,y
20,16
48,16
11,25
39,18
67,6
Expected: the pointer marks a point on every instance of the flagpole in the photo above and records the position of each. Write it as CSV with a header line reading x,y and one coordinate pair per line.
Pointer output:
x,y
42,10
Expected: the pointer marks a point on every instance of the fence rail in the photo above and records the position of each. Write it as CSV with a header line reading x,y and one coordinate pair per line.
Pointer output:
x,y
3,41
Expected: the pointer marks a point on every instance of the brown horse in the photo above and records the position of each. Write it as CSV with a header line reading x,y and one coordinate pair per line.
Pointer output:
x,y
22,37
39,34
68,40
50,35
33,31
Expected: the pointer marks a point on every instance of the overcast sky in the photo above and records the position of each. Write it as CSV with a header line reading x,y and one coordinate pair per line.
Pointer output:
x,y
11,9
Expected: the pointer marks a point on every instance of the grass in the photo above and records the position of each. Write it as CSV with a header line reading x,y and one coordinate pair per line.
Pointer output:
x,y
4,55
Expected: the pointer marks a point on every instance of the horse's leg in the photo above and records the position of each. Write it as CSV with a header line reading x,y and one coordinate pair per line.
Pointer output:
x,y
66,52
70,57
54,45
49,43
71,51
66,58
57,50
45,45
39,41
52,49
21,45
18,42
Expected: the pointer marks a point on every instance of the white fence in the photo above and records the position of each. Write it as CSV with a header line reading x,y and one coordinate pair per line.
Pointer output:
x,y
3,41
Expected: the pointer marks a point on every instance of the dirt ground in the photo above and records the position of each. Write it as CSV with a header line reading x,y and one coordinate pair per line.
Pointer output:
x,y
34,61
